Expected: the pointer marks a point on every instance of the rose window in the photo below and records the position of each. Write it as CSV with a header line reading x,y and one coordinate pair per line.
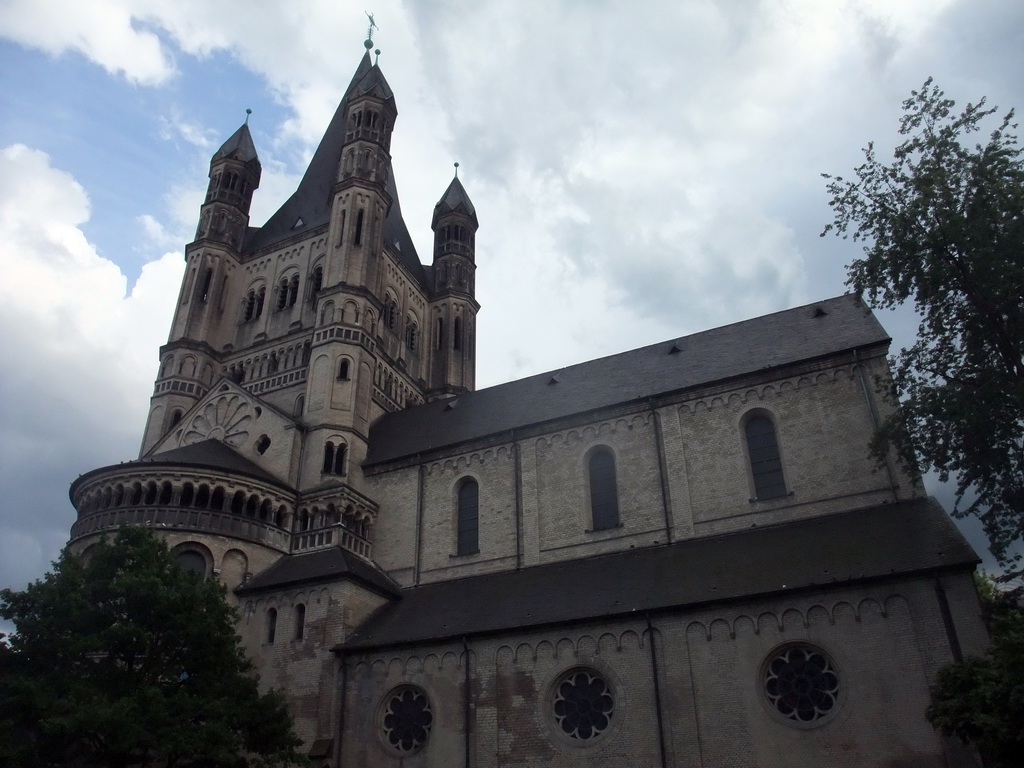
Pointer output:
x,y
583,704
407,720
802,684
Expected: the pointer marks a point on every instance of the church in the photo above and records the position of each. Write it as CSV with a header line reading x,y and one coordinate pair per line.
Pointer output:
x,y
680,555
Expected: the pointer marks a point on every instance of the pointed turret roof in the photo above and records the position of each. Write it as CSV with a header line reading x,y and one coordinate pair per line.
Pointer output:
x,y
240,144
367,78
310,203
450,202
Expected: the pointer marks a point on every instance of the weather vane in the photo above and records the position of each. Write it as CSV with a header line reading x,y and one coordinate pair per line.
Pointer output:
x,y
370,28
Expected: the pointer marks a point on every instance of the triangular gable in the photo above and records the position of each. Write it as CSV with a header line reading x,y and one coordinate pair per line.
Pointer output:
x,y
255,430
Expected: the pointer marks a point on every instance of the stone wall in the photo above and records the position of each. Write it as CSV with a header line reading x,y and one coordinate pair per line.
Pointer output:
x,y
884,641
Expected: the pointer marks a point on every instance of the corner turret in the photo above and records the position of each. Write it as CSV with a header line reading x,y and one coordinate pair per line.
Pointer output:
x,y
454,322
235,173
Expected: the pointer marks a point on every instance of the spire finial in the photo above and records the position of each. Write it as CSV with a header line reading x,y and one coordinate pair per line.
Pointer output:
x,y
456,170
368,43
247,113
377,57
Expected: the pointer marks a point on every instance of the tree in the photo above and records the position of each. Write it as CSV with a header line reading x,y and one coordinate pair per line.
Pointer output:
x,y
122,659
981,699
943,227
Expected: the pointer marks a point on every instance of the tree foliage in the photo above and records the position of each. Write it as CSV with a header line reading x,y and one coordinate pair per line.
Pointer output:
x,y
943,227
981,699
125,659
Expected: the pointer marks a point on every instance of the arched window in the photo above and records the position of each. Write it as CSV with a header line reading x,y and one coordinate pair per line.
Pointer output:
x,y
390,313
456,334
340,454
271,625
765,463
261,295
316,282
191,561
468,518
343,368
282,294
293,290
334,458
439,334
358,238
250,305
300,621
204,291
411,334
604,492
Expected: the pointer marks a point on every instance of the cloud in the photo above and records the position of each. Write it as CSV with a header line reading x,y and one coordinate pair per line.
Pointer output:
x,y
107,32
82,354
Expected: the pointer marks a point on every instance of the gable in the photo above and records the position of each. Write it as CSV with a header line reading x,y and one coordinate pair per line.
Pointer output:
x,y
254,430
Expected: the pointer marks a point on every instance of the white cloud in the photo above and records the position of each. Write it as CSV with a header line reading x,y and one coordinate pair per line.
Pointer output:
x,y
82,352
107,32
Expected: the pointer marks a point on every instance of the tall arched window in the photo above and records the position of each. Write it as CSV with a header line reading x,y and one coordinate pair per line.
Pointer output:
x,y
300,621
293,290
343,368
765,463
468,518
261,295
282,294
271,625
328,458
340,454
604,491
316,282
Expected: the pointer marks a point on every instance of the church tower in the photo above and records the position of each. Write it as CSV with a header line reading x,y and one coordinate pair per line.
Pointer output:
x,y
454,307
289,340
189,358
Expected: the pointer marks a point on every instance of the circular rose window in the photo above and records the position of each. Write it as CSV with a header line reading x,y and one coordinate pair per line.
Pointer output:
x,y
801,683
407,719
583,704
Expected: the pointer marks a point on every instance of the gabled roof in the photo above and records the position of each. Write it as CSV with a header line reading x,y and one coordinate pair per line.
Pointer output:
x,y
322,565
454,197
817,553
240,144
783,338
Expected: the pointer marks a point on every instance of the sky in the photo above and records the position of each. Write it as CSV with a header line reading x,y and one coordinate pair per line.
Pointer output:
x,y
640,172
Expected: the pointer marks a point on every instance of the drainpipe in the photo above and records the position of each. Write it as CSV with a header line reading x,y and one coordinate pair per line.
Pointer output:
x,y
657,693
419,521
662,471
519,501
341,707
467,710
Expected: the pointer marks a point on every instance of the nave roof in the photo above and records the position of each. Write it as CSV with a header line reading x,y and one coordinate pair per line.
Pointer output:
x,y
748,347
817,553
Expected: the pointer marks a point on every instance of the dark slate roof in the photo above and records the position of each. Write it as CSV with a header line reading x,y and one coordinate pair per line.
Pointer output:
x,y
804,333
310,202
324,564
211,454
452,198
878,542
239,143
